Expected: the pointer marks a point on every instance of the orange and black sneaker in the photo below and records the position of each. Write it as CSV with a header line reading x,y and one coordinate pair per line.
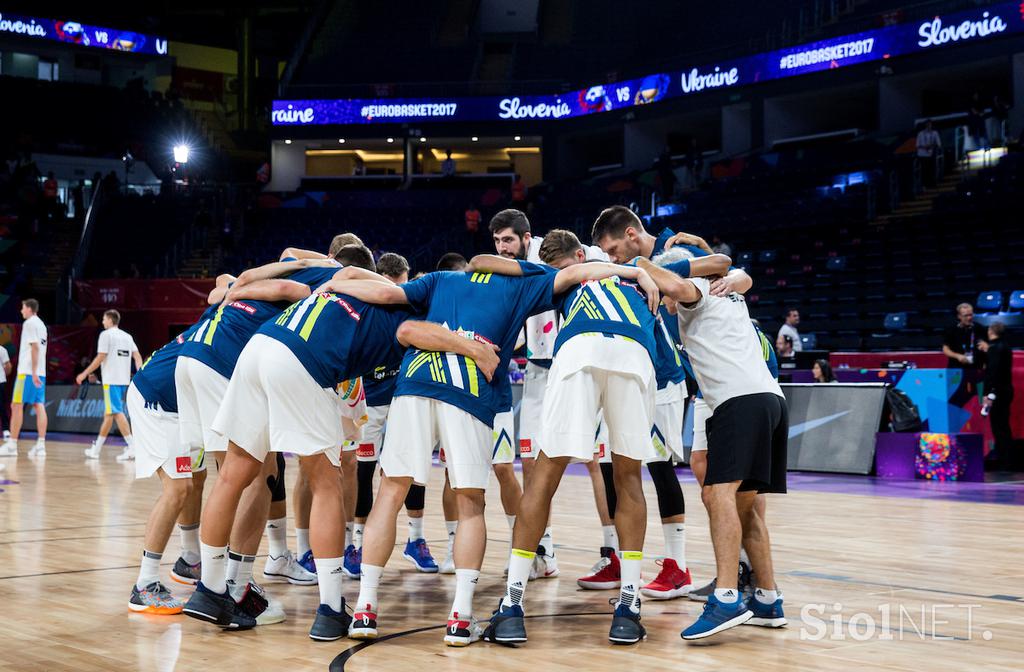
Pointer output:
x,y
154,599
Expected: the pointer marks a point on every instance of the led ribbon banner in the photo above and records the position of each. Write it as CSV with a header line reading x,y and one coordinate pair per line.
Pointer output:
x,y
73,32
873,45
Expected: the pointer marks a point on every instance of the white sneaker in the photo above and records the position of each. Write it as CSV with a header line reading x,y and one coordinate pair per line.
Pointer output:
x,y
127,455
286,568
448,566
93,452
544,566
9,449
38,450
7,435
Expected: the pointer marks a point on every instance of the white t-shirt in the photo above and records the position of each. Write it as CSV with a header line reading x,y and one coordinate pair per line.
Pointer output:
x,y
33,331
118,346
724,348
4,358
790,330
542,329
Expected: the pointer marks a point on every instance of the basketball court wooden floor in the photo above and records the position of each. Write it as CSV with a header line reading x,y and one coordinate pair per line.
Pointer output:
x,y
920,576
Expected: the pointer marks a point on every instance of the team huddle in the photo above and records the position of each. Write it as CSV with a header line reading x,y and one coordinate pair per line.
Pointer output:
x,y
346,363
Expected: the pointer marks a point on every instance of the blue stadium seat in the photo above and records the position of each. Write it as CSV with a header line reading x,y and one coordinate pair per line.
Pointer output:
x,y
1016,301
810,341
766,256
745,259
836,263
895,321
989,302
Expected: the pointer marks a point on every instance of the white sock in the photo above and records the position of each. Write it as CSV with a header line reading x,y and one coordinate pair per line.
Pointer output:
x,y
744,558
149,570
451,526
415,529
234,562
348,534
369,581
611,537
465,587
302,540
189,542
213,570
99,441
244,572
727,595
128,440
675,543
277,535
766,596
357,535
519,564
328,574
511,520
547,543
629,594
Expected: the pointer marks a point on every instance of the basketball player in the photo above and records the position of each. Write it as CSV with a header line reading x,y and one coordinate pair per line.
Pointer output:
x,y
746,437
510,230
439,397
604,361
380,388
204,367
30,385
114,355
152,404
503,455
283,396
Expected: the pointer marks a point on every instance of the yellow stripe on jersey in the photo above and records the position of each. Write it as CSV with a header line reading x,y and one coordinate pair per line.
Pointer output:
x,y
471,373
586,304
286,315
417,361
321,302
440,367
766,348
106,400
208,338
620,298
480,278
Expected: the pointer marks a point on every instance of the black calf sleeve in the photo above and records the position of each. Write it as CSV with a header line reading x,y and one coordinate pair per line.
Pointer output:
x,y
276,483
608,473
364,491
415,500
670,493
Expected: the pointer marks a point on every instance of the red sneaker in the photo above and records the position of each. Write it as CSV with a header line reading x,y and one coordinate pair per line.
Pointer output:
x,y
605,575
364,624
670,583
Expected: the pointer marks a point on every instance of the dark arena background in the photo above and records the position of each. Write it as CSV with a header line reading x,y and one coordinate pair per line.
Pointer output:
x,y
860,160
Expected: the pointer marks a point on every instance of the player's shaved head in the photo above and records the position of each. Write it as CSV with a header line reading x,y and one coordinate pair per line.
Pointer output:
x,y
356,255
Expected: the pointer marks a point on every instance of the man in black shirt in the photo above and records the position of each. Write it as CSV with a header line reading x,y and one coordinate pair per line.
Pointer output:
x,y
964,343
999,392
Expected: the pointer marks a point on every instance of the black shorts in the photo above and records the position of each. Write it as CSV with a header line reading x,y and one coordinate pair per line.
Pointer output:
x,y
747,439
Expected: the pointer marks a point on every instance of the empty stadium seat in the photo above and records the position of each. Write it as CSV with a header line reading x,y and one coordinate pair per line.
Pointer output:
x,y
810,341
989,302
1016,304
895,321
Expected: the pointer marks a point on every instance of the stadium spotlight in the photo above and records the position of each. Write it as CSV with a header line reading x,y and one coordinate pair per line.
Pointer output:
x,y
341,141
391,140
518,138
474,138
181,152
422,139
287,142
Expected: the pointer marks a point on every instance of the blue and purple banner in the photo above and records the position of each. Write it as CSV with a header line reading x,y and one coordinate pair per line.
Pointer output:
x,y
73,32
874,45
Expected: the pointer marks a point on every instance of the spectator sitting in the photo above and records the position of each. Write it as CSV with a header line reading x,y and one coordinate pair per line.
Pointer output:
x,y
784,346
964,343
823,372
448,165
518,190
790,331
719,246
929,144
472,228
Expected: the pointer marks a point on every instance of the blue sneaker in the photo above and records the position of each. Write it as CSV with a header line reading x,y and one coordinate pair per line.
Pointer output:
x,y
307,562
206,605
626,628
418,553
766,615
330,625
718,616
507,626
353,561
